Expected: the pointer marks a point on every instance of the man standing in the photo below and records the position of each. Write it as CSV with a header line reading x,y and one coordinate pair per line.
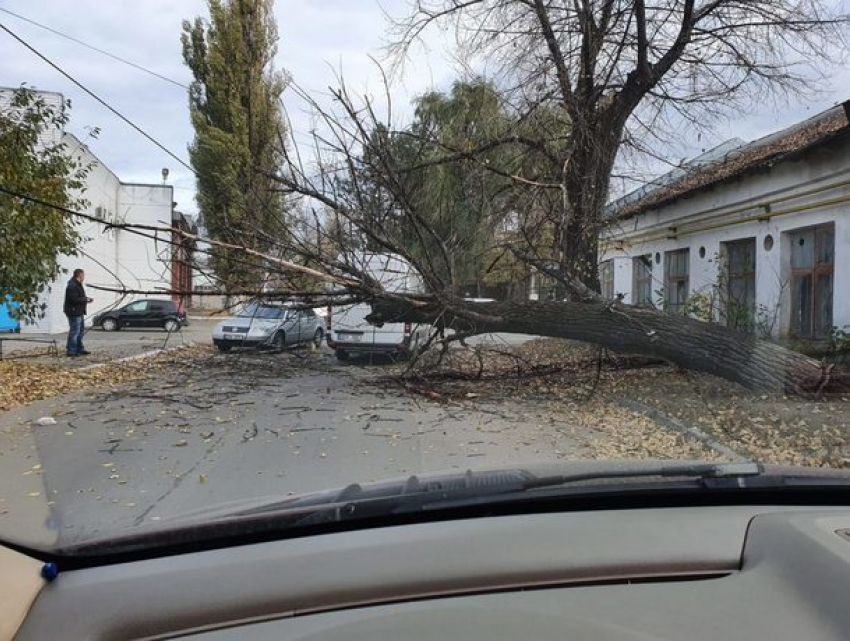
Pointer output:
x,y
75,310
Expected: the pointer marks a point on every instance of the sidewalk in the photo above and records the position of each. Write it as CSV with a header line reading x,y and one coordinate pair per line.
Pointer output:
x,y
107,346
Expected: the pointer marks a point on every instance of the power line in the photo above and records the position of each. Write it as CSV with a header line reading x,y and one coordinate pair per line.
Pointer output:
x,y
93,48
98,98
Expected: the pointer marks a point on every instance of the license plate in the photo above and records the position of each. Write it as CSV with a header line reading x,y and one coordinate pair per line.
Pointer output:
x,y
345,336
233,337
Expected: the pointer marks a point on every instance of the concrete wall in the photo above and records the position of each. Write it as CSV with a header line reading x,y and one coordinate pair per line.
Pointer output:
x,y
112,258
788,196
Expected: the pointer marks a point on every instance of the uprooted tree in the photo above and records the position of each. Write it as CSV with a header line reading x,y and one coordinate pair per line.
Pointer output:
x,y
577,82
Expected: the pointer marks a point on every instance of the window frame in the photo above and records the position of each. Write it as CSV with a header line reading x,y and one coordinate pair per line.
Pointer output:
x,y
642,277
669,279
815,273
744,274
606,279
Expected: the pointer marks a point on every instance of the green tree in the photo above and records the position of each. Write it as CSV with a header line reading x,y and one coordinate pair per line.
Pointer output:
x,y
462,202
33,237
235,109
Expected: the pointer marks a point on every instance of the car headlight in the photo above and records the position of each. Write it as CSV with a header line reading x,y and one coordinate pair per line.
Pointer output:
x,y
261,330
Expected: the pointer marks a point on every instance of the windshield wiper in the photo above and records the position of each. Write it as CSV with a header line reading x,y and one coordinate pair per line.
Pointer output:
x,y
416,493
415,497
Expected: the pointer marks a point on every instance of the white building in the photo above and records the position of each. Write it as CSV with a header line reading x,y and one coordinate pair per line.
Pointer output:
x,y
113,258
754,235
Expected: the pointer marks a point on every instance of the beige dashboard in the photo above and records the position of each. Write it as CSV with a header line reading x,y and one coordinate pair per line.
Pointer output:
x,y
678,573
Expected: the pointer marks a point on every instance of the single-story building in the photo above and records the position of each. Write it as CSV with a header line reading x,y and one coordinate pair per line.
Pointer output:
x,y
754,235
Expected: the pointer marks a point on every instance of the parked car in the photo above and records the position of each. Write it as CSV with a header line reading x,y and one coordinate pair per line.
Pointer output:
x,y
269,324
349,334
142,313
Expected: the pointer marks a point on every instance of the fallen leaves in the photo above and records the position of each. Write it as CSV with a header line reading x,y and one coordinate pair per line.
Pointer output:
x,y
770,428
22,383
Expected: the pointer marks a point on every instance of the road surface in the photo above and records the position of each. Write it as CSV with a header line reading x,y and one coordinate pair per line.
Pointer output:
x,y
229,427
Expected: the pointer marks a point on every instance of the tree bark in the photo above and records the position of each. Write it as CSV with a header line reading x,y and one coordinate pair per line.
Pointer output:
x,y
690,344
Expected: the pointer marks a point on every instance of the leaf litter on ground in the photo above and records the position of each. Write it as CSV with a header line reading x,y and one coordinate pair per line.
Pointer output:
x,y
588,387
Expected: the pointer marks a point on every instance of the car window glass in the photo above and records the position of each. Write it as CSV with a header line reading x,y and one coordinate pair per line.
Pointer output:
x,y
263,312
138,306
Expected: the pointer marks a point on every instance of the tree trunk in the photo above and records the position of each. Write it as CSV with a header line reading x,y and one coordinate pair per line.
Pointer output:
x,y
693,345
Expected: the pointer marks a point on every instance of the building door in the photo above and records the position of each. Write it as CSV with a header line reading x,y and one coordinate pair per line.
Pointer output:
x,y
677,280
740,307
812,266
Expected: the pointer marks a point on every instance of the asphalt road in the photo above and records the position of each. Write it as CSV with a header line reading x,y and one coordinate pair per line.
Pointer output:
x,y
238,426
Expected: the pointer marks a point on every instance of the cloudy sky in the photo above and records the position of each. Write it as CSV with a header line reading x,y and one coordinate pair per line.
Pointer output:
x,y
318,38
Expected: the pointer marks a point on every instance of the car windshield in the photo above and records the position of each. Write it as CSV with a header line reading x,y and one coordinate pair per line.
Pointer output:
x,y
501,234
263,312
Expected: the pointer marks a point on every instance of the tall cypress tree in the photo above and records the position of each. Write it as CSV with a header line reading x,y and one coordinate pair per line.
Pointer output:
x,y
235,109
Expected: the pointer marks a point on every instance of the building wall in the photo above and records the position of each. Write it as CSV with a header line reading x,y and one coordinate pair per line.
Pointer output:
x,y
791,195
110,258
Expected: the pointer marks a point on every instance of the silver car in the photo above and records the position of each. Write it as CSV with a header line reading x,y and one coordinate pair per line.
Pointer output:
x,y
269,324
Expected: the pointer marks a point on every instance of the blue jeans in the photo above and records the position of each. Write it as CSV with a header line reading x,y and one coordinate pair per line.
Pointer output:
x,y
75,335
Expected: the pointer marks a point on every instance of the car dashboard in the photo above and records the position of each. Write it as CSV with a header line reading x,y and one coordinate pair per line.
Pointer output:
x,y
736,572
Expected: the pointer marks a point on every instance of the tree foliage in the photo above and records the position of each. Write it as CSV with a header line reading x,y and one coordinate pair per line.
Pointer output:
x,y
35,161
235,109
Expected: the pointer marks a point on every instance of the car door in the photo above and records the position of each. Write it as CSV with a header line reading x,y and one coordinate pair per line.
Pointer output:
x,y
311,322
156,315
134,314
296,324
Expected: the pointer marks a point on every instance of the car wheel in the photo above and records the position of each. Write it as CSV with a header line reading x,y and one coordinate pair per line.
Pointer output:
x,y
223,348
342,356
109,324
279,341
171,325
317,338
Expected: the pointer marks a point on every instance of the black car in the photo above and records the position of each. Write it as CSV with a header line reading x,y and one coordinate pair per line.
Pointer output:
x,y
142,313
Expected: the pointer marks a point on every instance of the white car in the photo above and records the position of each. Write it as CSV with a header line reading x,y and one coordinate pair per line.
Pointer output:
x,y
269,324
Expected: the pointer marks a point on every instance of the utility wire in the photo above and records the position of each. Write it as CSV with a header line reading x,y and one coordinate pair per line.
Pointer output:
x,y
93,48
98,98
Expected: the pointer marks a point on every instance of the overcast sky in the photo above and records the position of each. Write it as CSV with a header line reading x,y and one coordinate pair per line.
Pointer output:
x,y
317,39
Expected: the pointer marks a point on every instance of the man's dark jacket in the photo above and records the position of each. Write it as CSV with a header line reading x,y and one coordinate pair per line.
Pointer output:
x,y
75,299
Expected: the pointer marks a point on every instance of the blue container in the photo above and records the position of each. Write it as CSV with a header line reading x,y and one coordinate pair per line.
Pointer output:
x,y
7,322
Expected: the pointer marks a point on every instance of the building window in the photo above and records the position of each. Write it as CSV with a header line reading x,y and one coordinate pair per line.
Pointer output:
x,y
676,279
740,290
812,264
606,278
642,280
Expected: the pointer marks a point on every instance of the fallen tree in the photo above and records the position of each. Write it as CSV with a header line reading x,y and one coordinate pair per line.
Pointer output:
x,y
687,343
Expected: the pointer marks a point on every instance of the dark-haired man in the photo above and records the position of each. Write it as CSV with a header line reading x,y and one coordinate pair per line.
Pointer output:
x,y
75,309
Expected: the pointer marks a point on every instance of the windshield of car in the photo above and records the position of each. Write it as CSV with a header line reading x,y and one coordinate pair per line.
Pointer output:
x,y
499,240
263,312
